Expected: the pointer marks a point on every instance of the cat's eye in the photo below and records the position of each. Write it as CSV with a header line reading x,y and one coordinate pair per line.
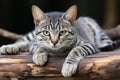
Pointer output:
x,y
46,33
63,32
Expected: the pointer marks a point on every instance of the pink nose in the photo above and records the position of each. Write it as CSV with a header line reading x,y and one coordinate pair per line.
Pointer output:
x,y
54,40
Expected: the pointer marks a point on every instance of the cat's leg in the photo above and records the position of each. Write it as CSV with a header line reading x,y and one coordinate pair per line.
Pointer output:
x,y
39,54
71,62
13,48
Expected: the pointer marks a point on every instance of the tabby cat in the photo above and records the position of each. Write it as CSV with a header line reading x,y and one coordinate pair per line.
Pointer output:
x,y
60,34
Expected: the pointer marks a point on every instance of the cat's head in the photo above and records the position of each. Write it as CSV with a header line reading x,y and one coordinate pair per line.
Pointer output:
x,y
55,31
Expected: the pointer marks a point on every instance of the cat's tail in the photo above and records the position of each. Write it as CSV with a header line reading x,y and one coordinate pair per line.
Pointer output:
x,y
113,46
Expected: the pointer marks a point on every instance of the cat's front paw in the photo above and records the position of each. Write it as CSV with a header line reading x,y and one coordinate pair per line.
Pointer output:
x,y
68,69
8,49
39,58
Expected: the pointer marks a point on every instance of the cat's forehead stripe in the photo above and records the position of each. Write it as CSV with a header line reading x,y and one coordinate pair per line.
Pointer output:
x,y
51,24
54,24
58,27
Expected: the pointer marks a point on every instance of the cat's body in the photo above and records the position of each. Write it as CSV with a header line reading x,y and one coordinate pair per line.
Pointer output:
x,y
59,34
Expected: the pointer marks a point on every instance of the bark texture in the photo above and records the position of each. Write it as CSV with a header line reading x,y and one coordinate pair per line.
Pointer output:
x,y
105,65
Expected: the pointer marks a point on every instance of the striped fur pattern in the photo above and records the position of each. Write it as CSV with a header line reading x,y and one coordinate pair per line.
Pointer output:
x,y
59,34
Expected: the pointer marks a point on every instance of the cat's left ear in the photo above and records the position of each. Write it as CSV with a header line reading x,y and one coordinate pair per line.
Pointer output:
x,y
71,14
38,15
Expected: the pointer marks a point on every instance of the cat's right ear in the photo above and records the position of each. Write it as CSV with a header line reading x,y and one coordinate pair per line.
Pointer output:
x,y
71,14
38,15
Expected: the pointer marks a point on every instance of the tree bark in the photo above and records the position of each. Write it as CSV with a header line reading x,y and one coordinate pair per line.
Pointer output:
x,y
114,33
105,65
111,16
10,35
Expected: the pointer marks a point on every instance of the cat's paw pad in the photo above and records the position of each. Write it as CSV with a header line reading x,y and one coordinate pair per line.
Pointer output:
x,y
68,69
8,49
39,58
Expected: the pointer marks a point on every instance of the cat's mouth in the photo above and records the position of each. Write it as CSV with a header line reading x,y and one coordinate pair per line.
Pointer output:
x,y
55,47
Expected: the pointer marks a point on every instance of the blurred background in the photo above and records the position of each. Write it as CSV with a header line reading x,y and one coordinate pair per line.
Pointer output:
x,y
15,15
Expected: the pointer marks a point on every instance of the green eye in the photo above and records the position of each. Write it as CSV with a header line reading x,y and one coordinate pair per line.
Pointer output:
x,y
46,33
63,32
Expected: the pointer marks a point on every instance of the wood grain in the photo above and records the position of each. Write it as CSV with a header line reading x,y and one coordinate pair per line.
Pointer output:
x,y
104,65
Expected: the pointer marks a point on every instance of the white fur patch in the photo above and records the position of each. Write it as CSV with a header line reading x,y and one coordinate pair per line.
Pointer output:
x,y
39,58
9,49
69,69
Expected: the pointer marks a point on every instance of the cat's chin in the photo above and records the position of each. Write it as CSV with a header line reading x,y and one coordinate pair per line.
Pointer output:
x,y
52,47
58,48
58,51
55,47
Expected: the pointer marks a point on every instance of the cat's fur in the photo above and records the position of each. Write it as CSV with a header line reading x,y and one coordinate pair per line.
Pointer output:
x,y
60,34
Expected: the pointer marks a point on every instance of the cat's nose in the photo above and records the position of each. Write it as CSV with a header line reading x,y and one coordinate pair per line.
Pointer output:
x,y
54,40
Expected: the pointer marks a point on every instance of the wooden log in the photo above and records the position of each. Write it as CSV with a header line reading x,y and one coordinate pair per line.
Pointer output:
x,y
114,33
110,15
104,65
10,35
